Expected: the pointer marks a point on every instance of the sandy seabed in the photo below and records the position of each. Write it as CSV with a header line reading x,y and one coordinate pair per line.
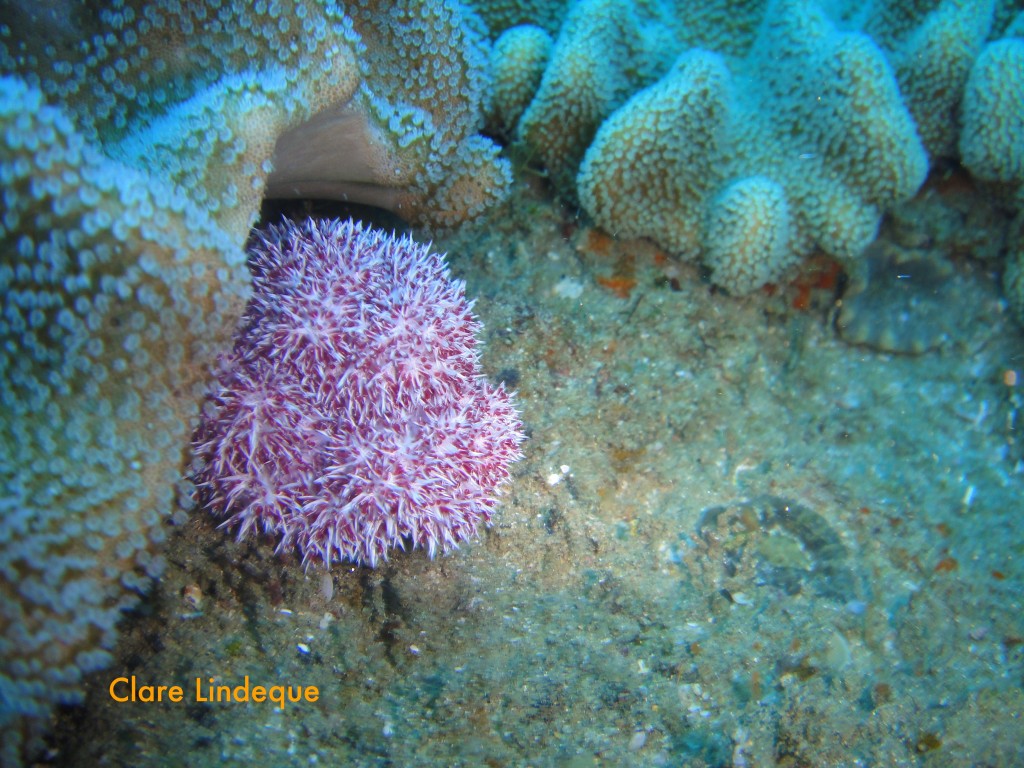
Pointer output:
x,y
735,540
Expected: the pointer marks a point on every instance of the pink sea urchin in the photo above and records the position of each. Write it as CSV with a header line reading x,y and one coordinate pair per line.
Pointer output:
x,y
352,415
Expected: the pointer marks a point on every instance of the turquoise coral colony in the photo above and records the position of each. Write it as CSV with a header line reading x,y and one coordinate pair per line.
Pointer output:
x,y
139,141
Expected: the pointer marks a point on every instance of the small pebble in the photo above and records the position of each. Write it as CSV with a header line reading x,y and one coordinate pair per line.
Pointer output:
x,y
327,586
837,651
638,741
193,597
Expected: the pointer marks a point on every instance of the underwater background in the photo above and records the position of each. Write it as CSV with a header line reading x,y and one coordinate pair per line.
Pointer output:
x,y
754,270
